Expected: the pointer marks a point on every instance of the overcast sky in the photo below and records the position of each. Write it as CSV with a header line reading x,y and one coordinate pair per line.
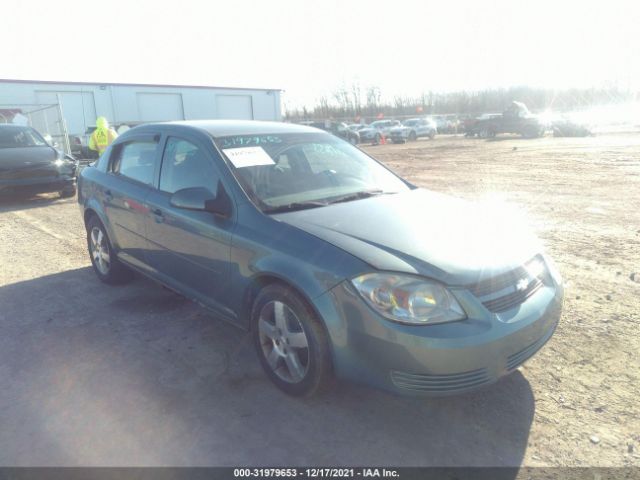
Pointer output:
x,y
310,48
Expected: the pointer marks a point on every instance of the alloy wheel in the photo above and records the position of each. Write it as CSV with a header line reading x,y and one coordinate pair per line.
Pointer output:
x,y
100,250
284,343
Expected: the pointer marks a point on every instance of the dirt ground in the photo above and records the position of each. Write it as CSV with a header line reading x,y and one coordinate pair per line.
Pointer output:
x,y
582,196
137,376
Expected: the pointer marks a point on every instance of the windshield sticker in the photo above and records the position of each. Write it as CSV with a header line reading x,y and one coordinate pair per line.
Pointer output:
x,y
229,142
248,157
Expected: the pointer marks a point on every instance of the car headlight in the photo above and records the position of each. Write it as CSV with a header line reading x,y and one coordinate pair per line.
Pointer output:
x,y
65,163
407,299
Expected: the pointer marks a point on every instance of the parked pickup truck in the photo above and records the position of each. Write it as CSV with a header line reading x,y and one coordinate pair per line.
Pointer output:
x,y
515,119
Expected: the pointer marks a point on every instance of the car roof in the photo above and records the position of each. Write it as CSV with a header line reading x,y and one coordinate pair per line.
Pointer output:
x,y
226,128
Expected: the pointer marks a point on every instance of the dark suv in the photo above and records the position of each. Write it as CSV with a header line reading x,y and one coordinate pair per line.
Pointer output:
x,y
339,129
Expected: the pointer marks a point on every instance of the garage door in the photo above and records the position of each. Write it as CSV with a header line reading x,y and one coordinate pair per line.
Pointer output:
x,y
235,107
160,107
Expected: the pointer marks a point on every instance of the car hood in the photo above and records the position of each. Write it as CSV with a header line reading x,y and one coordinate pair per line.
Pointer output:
x,y
400,129
423,232
26,157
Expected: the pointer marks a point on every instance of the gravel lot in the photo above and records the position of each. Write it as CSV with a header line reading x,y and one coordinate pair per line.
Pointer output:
x,y
136,375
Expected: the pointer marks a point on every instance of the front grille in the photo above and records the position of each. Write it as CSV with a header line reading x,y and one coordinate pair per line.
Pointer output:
x,y
513,299
440,383
509,289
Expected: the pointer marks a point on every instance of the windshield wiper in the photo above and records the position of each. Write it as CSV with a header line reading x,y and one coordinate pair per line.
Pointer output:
x,y
357,196
290,207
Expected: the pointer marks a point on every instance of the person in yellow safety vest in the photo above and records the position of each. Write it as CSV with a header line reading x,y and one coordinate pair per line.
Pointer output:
x,y
102,136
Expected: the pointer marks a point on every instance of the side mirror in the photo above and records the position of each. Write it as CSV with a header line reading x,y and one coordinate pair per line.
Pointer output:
x,y
201,199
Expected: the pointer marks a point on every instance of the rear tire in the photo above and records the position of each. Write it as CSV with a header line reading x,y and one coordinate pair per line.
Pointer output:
x,y
103,258
291,342
531,132
487,133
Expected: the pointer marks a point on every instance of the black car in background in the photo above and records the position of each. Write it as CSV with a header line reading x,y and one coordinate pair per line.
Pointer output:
x,y
29,164
339,129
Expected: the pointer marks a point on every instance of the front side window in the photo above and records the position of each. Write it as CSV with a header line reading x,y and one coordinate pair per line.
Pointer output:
x,y
292,171
136,160
185,165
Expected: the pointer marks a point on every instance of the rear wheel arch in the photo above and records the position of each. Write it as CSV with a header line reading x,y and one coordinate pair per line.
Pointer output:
x,y
89,213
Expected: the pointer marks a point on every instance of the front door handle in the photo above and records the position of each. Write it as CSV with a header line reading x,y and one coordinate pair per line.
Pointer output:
x,y
108,195
157,213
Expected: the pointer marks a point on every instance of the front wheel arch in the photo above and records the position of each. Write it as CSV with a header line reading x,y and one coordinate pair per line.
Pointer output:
x,y
263,280
323,377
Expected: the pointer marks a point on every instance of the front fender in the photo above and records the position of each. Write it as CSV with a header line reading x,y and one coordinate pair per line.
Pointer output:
x,y
264,247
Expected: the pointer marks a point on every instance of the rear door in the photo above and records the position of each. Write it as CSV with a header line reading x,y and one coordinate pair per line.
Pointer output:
x,y
132,170
189,250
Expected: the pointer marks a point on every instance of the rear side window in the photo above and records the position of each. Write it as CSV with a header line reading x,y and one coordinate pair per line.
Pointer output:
x,y
185,165
136,160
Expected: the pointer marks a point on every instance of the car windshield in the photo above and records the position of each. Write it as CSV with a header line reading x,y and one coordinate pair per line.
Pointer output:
x,y
13,137
296,171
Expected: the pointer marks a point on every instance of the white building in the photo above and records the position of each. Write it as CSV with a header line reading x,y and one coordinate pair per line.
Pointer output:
x,y
132,104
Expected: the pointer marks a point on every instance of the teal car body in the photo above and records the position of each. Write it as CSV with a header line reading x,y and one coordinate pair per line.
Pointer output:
x,y
507,309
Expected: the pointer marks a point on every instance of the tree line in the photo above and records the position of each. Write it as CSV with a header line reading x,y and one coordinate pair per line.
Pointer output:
x,y
353,103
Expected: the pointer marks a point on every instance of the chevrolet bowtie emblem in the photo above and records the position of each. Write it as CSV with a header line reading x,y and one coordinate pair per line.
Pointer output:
x,y
522,284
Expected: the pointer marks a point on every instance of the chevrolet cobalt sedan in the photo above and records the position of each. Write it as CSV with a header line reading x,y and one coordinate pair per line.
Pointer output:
x,y
338,267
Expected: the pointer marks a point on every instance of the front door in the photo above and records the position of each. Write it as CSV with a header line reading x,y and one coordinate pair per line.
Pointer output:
x,y
189,250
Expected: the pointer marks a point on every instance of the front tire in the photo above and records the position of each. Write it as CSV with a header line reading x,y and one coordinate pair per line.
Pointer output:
x,y
103,258
68,192
290,341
